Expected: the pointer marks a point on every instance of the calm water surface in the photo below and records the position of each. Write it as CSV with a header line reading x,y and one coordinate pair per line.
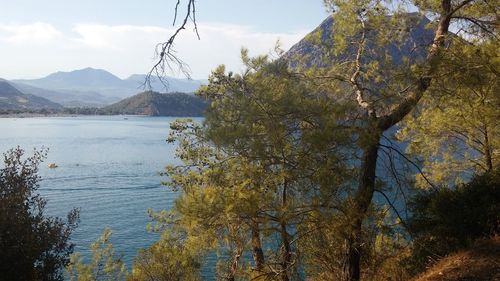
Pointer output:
x,y
108,167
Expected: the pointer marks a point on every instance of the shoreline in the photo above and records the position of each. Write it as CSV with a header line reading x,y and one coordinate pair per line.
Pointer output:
x,y
34,115
37,115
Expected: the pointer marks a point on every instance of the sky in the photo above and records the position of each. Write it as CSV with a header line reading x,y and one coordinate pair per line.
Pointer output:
x,y
39,37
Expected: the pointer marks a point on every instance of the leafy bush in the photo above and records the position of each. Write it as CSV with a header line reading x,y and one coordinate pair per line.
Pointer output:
x,y
446,220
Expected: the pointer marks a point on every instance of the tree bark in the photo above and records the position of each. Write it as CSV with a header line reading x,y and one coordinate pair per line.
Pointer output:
x,y
487,149
257,252
351,261
233,268
286,260
285,239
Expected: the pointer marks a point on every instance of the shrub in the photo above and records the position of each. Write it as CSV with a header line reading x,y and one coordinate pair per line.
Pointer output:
x,y
33,246
446,219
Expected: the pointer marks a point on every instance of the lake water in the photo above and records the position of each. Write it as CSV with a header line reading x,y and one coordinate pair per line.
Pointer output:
x,y
108,167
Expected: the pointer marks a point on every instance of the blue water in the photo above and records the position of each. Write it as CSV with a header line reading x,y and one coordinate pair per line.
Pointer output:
x,y
108,167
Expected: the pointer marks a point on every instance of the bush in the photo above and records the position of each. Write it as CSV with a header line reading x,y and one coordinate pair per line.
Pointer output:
x,y
32,245
446,220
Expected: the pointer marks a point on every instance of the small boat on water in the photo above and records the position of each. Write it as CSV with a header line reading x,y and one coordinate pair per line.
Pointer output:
x,y
52,165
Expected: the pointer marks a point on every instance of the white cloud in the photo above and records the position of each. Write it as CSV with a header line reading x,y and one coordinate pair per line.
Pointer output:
x,y
127,49
116,37
35,33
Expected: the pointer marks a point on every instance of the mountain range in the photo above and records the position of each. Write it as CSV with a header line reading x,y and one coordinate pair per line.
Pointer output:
x,y
97,87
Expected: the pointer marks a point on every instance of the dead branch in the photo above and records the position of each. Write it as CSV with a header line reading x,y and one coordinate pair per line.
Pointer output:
x,y
165,52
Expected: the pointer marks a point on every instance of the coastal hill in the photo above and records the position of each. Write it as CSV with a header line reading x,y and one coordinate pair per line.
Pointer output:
x,y
156,104
13,99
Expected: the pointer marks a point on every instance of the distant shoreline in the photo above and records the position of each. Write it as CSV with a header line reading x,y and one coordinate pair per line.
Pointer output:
x,y
32,115
35,115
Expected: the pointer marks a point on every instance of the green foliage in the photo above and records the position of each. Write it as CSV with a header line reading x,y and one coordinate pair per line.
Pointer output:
x,y
167,260
272,154
384,253
33,246
103,266
456,131
219,196
288,154
446,219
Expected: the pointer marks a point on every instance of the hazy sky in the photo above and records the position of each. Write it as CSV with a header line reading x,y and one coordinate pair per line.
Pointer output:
x,y
38,37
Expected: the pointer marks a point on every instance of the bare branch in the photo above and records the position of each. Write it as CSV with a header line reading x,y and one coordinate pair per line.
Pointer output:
x,y
412,163
460,6
165,51
482,24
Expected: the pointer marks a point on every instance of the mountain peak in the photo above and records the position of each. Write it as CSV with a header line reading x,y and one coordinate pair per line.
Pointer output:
x,y
88,71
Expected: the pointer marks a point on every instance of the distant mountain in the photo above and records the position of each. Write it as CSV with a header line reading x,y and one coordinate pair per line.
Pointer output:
x,y
99,87
87,79
156,104
13,99
68,98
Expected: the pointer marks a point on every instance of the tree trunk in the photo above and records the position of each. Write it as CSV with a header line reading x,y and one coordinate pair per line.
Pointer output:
x,y
351,262
258,254
487,149
233,268
366,186
285,239
351,258
287,252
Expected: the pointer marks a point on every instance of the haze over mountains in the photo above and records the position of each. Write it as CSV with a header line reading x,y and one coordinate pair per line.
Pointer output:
x,y
96,87
13,99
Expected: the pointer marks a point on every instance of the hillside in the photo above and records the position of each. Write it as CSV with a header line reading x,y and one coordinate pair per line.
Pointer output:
x,y
156,104
479,263
13,99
